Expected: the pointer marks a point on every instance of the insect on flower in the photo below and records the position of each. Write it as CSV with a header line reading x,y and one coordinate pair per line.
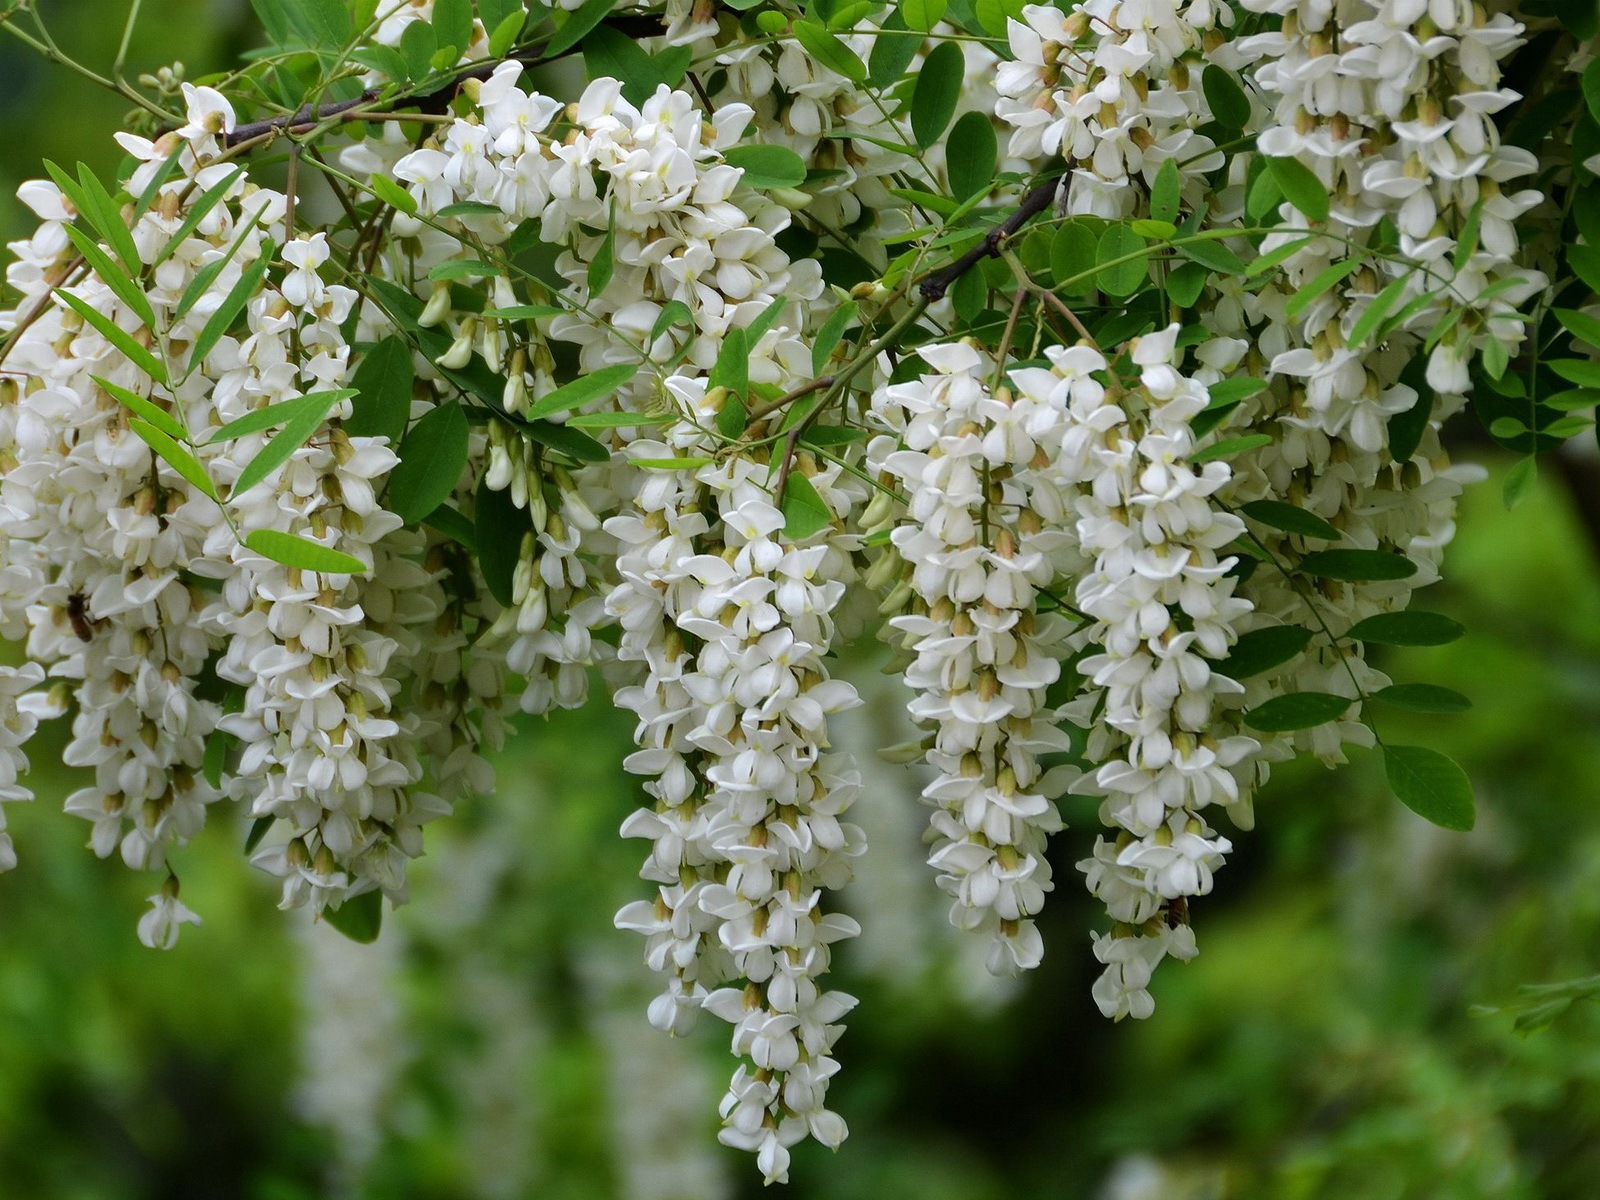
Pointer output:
x,y
78,614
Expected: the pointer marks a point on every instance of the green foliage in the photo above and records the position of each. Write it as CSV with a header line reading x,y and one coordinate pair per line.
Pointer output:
x,y
436,454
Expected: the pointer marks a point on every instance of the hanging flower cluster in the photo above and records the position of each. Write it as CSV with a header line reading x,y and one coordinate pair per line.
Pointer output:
x,y
672,381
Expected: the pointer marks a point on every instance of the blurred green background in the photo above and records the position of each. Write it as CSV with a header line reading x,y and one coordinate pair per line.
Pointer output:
x,y
492,1044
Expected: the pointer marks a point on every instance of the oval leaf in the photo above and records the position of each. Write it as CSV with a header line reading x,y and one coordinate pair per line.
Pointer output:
x,y
938,87
582,391
435,455
1431,785
1290,519
294,551
970,154
1297,710
359,918
768,166
382,407
1357,566
1423,698
1407,629
1262,649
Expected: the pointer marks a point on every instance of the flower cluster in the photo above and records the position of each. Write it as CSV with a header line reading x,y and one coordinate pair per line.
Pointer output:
x,y
981,535
664,383
1164,609
1114,88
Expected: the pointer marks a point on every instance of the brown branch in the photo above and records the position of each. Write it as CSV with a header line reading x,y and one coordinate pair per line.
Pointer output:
x,y
310,116
937,284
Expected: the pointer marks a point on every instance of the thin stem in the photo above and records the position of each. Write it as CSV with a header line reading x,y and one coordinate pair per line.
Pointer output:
x,y
127,39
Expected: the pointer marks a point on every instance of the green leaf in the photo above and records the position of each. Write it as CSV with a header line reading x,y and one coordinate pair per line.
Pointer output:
x,y
385,60
892,52
582,391
1213,254
524,312
1467,239
220,321
1519,481
970,155
1073,253
1423,698
1507,428
938,88
1276,256
1297,710
1262,649
452,23
198,211
1406,428
435,455
118,337
176,457
831,333
292,550
417,45
1301,186
578,23
452,524
1581,325
1584,372
834,54
1159,231
1229,104
619,420
149,410
281,413
106,217
804,512
505,32
603,263
169,167
1123,261
1227,449
1166,191
259,827
1357,566
307,417
825,436
1430,785
732,368
359,918
1290,519
1585,262
383,382
1185,284
767,166
1407,629
1231,391
392,194
1377,309
674,312
114,277
498,530
1571,400
923,14
208,274
323,23
1591,87
563,439
1319,284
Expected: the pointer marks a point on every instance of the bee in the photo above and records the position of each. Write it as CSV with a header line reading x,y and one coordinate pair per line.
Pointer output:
x,y
1178,912
78,614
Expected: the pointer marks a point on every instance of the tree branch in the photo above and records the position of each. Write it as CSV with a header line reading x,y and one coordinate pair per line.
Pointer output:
x,y
937,284
310,116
